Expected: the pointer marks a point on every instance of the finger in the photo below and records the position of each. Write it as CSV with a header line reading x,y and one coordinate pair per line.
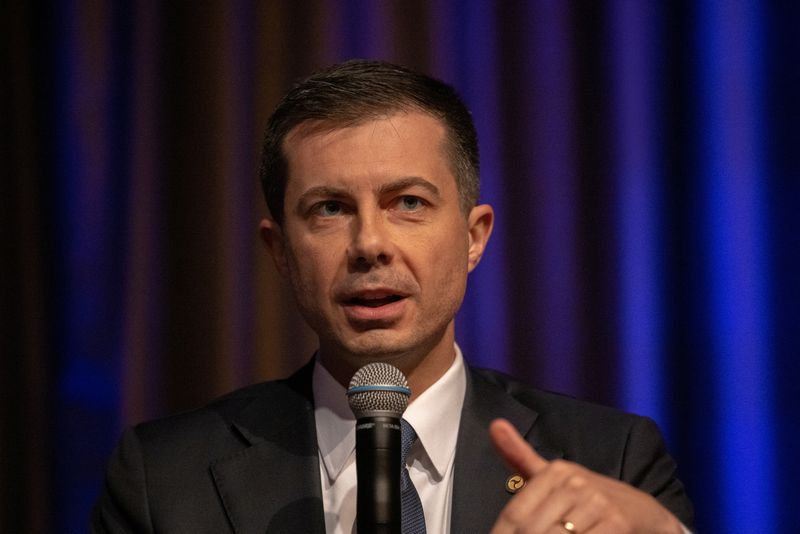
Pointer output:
x,y
571,500
540,504
517,452
585,518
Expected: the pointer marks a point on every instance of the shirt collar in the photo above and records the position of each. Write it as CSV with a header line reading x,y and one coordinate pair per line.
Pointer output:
x,y
336,428
435,416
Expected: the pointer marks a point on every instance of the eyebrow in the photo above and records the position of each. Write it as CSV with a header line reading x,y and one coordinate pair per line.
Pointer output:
x,y
408,182
396,186
324,191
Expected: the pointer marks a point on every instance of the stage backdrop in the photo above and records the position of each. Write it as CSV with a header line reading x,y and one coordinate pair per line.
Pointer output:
x,y
642,158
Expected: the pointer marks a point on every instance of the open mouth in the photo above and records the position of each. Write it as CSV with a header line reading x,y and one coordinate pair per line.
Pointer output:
x,y
374,301
374,306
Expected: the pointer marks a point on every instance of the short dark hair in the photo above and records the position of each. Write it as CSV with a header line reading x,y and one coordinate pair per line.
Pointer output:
x,y
349,93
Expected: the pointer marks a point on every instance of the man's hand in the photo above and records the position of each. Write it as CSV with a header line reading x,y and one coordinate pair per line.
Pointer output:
x,y
562,492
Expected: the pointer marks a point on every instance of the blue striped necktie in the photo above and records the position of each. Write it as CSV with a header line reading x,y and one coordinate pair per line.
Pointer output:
x,y
412,516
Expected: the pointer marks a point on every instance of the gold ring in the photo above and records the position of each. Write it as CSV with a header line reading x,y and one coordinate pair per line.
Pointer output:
x,y
569,526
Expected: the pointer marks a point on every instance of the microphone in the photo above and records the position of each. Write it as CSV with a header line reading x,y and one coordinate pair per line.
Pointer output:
x,y
378,396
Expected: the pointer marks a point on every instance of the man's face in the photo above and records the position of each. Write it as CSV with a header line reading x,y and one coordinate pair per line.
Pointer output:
x,y
373,241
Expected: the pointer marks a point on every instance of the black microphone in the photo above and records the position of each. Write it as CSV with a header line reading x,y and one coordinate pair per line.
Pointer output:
x,y
378,396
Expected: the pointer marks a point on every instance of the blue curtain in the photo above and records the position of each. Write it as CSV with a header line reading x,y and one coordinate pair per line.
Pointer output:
x,y
642,158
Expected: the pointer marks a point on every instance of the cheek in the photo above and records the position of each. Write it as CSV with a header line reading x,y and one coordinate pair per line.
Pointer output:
x,y
317,265
311,273
303,272
447,260
313,257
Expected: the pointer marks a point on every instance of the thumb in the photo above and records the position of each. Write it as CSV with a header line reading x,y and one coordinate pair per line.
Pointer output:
x,y
517,453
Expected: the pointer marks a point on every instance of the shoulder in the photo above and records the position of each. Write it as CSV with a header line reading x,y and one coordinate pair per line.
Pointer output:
x,y
547,403
224,424
221,410
598,436
607,440
161,472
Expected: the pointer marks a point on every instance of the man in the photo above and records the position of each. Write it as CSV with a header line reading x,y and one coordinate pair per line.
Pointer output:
x,y
370,172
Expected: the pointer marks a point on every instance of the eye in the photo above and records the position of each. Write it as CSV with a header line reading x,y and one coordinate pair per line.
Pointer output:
x,y
329,208
410,203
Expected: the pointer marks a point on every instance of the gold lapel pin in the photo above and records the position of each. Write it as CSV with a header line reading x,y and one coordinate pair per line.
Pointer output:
x,y
514,483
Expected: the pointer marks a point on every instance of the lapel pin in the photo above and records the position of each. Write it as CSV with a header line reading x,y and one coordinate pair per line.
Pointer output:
x,y
514,483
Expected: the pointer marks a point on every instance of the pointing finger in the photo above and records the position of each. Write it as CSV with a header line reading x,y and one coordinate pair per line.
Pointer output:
x,y
517,452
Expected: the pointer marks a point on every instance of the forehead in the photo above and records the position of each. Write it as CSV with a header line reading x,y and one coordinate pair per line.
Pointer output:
x,y
400,144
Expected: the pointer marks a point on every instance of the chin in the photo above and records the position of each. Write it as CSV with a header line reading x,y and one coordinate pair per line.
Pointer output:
x,y
378,347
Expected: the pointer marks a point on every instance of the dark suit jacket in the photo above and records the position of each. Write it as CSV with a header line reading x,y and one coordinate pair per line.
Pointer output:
x,y
248,462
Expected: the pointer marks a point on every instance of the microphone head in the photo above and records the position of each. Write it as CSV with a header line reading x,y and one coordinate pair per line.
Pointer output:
x,y
378,389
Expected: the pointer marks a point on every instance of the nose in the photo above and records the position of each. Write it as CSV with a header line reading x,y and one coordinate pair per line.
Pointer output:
x,y
371,243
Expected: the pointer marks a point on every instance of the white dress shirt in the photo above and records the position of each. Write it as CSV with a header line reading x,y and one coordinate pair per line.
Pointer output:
x,y
435,416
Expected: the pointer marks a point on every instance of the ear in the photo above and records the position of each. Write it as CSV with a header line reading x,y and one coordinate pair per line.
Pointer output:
x,y
480,222
275,242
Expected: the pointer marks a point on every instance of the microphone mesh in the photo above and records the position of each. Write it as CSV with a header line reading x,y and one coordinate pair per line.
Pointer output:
x,y
367,400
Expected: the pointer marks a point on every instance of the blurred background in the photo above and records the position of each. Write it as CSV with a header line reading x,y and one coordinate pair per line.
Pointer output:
x,y
642,158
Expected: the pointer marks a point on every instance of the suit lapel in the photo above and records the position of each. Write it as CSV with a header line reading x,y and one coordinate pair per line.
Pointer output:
x,y
480,475
273,485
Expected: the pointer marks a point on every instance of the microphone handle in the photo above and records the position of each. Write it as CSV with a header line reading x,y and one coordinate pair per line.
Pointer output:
x,y
378,474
